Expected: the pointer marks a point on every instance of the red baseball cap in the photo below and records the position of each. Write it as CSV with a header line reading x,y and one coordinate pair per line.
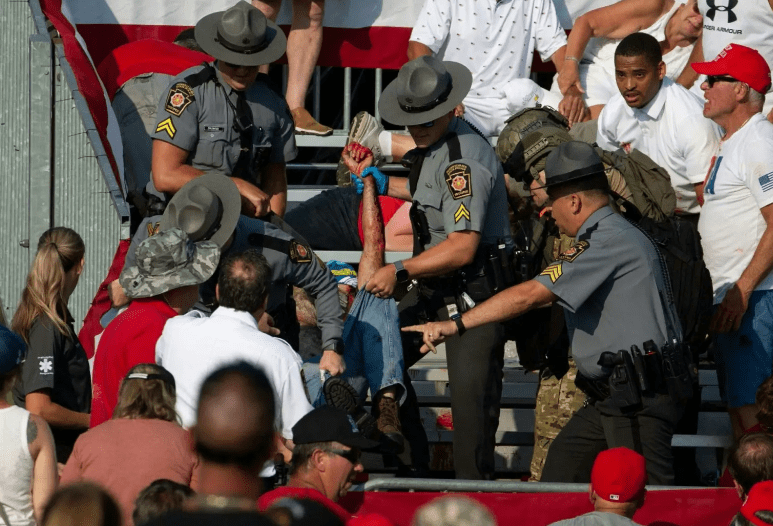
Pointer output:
x,y
740,62
760,498
619,475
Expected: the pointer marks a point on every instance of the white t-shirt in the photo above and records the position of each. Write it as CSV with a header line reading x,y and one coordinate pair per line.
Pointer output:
x,y
749,23
192,347
658,130
496,42
740,183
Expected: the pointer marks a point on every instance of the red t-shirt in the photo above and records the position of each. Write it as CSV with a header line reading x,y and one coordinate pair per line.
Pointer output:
x,y
130,339
265,501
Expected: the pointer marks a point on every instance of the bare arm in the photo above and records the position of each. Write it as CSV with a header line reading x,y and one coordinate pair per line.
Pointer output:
x,y
39,403
730,312
44,469
373,247
615,21
398,187
688,76
572,106
274,183
456,251
417,49
507,304
170,171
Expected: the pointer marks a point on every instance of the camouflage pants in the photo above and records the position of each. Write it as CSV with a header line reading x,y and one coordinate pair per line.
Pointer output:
x,y
557,400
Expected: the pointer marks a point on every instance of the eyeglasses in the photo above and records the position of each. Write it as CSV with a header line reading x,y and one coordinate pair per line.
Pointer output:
x,y
429,124
352,455
713,79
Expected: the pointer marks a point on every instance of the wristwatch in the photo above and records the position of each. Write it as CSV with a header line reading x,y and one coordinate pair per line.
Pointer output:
x,y
400,273
338,347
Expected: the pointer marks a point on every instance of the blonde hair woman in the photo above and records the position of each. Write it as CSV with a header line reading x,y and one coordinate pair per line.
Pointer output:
x,y
55,381
143,442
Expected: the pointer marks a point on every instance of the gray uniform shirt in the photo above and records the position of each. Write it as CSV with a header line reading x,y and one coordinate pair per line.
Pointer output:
x,y
297,266
200,120
612,288
597,518
464,194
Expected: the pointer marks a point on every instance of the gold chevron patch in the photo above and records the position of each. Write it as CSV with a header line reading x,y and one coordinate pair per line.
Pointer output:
x,y
461,212
167,126
553,272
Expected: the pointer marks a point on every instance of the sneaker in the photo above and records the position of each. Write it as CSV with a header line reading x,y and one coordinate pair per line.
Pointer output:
x,y
388,421
364,130
338,393
305,124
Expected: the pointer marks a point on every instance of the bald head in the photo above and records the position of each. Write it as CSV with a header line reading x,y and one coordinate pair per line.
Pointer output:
x,y
235,423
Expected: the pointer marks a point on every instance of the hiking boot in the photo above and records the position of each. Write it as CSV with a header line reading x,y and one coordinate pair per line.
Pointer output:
x,y
305,124
364,130
338,393
388,422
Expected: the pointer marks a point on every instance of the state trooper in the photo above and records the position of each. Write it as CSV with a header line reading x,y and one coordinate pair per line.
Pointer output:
x,y
612,286
461,238
225,116
207,208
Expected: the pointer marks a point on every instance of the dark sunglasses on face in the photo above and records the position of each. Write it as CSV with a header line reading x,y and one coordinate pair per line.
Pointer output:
x,y
429,124
713,79
352,455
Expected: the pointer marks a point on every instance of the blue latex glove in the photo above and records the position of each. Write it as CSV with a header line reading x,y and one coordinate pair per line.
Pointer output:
x,y
358,184
382,181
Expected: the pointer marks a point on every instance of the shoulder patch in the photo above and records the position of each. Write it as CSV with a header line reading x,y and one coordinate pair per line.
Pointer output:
x,y
574,251
299,252
461,213
459,180
168,126
553,271
153,228
179,97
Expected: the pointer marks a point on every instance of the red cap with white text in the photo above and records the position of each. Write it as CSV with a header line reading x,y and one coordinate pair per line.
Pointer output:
x,y
740,62
619,475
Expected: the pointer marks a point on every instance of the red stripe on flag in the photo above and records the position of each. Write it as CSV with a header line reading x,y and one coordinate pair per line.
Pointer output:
x,y
370,47
85,75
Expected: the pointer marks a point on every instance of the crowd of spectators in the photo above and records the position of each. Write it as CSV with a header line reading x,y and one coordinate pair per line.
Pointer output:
x,y
201,393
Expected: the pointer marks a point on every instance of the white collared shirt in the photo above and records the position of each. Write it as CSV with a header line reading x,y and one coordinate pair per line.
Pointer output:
x,y
671,130
192,347
494,40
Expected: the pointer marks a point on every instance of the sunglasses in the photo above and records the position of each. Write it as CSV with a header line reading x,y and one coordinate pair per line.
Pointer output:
x,y
352,455
429,124
713,79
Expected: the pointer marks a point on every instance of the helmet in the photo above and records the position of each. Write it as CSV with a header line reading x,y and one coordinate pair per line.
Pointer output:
x,y
509,148
538,144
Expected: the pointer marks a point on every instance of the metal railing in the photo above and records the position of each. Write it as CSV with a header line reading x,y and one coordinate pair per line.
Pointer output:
x,y
487,486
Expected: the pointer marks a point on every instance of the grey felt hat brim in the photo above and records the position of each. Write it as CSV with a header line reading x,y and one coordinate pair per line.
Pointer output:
x,y
224,188
391,111
206,32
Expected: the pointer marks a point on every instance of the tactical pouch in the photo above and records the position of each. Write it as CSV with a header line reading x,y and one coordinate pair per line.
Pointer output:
x,y
596,390
677,375
624,388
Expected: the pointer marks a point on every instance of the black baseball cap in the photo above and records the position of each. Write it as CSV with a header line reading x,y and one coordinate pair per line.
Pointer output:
x,y
330,424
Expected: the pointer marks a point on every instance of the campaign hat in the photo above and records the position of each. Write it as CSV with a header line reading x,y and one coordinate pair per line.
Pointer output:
x,y
241,35
425,89
206,208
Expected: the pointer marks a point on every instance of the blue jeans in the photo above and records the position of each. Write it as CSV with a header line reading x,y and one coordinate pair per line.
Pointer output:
x,y
373,350
744,356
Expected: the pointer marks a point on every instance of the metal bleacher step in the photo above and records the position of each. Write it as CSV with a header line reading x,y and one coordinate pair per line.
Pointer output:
x,y
515,434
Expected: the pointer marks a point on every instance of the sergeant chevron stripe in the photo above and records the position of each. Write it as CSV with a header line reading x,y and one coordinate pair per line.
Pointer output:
x,y
461,212
553,272
167,126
